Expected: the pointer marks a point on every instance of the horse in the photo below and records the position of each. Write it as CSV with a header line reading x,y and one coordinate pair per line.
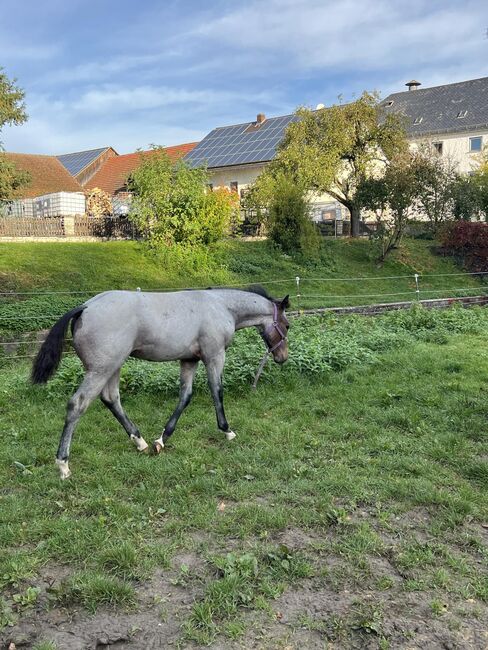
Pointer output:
x,y
189,326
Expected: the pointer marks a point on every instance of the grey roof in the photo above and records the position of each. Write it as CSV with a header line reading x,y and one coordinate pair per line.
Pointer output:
x,y
450,108
76,162
240,144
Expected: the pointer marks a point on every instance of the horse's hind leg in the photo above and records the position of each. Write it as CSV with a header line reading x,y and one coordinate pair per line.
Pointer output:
x,y
90,388
111,398
187,373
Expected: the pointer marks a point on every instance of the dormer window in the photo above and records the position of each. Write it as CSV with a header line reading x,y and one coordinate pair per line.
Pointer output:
x,y
461,114
390,103
418,120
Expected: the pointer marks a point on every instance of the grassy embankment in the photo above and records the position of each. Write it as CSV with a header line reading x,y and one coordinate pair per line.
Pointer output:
x,y
93,267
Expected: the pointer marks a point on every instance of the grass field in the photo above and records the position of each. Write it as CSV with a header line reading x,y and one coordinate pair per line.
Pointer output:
x,y
350,512
89,268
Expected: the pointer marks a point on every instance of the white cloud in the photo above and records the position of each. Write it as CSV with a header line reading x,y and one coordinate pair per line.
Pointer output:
x,y
352,35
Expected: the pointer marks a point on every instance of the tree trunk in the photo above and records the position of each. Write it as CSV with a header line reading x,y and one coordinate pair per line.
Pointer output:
x,y
355,218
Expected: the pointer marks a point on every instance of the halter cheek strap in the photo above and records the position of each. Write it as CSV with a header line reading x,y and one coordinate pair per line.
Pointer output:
x,y
274,326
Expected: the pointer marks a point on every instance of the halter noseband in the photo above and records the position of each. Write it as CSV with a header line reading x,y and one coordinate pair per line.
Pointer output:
x,y
268,330
275,326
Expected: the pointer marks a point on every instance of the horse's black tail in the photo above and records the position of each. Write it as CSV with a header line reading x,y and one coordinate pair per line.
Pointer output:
x,y
49,356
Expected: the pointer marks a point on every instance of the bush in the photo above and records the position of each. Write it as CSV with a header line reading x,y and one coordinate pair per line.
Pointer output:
x,y
172,203
289,223
468,241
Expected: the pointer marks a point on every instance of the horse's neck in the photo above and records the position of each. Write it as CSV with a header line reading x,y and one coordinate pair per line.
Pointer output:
x,y
249,309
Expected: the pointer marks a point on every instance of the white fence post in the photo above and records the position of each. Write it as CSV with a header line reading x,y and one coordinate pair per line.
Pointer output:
x,y
417,290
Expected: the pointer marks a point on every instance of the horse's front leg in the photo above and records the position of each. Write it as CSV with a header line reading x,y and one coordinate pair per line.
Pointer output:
x,y
215,367
187,373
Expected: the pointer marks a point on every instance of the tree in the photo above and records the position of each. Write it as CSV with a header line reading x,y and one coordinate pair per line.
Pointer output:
x,y
172,203
435,179
12,111
333,150
393,198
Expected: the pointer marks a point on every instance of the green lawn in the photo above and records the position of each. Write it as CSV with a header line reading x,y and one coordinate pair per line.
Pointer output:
x,y
343,275
351,509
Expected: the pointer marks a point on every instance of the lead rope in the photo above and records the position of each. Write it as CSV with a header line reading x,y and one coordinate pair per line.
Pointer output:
x,y
260,370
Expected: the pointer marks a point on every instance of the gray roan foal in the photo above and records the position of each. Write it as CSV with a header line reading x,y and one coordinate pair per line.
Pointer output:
x,y
189,326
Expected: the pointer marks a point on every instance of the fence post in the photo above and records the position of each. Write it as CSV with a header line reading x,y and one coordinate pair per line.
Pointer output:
x,y
297,280
417,290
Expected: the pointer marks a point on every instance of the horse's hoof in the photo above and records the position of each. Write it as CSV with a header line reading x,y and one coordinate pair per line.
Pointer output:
x,y
140,443
64,470
157,447
230,435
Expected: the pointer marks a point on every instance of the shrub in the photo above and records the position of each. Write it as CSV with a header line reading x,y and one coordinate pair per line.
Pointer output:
x,y
172,203
289,223
468,241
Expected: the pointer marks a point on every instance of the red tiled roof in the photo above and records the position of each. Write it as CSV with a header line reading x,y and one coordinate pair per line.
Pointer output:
x,y
47,175
112,176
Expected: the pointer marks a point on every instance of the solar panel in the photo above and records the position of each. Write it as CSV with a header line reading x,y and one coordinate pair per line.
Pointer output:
x,y
75,162
240,144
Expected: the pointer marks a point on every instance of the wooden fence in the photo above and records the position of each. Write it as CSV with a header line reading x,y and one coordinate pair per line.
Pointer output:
x,y
76,226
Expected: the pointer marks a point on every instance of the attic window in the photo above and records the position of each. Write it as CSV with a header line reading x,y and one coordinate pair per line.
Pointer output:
x,y
461,114
390,103
418,120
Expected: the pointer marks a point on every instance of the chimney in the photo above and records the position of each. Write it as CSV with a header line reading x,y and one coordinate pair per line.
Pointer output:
x,y
413,85
260,118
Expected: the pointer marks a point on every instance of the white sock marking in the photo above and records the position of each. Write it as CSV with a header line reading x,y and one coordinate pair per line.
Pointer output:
x,y
64,470
140,443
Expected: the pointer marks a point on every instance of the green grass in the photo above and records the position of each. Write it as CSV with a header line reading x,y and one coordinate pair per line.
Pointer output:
x,y
378,461
330,280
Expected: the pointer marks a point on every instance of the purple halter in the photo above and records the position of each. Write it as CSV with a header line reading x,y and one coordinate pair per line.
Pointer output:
x,y
275,326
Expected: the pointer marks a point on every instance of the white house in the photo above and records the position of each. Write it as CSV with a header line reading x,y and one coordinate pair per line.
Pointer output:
x,y
453,117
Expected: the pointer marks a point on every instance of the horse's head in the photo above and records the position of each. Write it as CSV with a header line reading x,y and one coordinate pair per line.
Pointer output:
x,y
276,332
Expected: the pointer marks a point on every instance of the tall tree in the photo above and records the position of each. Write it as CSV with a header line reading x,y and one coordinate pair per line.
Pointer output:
x,y
332,150
12,111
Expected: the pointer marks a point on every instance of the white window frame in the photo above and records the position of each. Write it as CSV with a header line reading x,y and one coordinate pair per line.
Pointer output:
x,y
476,137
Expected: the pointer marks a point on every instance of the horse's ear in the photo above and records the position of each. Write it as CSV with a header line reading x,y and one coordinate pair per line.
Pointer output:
x,y
285,303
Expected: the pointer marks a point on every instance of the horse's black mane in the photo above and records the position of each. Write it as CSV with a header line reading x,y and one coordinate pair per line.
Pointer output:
x,y
253,288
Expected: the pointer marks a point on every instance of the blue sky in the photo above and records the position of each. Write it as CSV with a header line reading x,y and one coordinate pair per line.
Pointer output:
x,y
128,74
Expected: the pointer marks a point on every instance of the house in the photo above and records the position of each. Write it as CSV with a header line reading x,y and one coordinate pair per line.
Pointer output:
x,y
83,165
453,117
47,174
112,176
58,183
51,191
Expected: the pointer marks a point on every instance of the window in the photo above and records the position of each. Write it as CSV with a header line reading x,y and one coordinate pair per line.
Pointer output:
x,y
437,147
234,186
461,114
475,144
418,120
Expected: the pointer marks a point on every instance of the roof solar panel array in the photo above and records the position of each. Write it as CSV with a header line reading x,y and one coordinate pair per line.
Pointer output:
x,y
75,162
240,144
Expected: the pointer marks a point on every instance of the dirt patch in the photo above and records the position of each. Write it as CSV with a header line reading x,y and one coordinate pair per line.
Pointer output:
x,y
330,609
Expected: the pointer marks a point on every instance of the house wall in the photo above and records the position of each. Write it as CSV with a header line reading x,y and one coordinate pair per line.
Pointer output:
x,y
245,175
456,147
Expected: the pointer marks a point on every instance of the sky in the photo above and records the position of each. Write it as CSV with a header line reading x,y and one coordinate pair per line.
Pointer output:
x,y
129,74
